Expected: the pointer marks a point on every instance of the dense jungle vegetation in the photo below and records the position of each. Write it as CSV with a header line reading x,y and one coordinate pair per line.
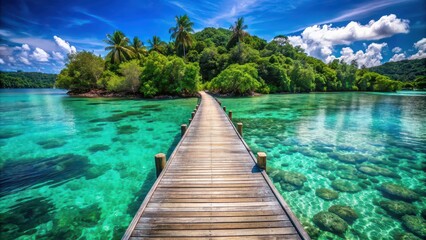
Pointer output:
x,y
223,61
26,80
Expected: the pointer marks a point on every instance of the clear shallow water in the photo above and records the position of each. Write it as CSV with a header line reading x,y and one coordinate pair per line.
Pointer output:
x,y
79,167
365,139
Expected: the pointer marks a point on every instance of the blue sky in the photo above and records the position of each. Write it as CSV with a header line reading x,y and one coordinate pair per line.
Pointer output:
x,y
36,35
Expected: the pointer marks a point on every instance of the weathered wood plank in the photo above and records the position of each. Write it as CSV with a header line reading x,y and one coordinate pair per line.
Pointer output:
x,y
214,232
211,188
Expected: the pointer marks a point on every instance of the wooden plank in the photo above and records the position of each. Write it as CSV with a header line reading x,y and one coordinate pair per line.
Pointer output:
x,y
154,214
211,188
213,232
207,226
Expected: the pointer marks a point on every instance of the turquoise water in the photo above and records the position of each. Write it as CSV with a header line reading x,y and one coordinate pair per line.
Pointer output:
x,y
79,167
350,143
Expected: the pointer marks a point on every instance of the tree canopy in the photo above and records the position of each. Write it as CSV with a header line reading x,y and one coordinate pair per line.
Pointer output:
x,y
224,61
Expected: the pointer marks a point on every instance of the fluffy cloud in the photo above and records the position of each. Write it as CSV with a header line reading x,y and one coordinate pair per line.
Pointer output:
x,y
58,55
397,57
40,55
318,41
64,45
25,47
1,61
396,50
370,58
421,47
24,60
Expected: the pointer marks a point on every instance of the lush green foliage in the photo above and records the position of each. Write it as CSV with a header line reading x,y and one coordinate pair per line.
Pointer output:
x,y
371,81
82,72
26,80
155,44
120,51
237,79
404,71
225,61
169,76
181,33
238,32
129,79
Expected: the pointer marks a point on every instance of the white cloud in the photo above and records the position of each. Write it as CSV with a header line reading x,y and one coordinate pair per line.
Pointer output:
x,y
58,55
318,41
397,57
40,55
1,61
26,47
11,59
421,47
24,61
370,58
421,44
396,50
65,45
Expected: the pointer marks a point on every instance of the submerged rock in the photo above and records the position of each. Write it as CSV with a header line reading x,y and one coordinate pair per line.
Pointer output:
x,y
394,191
326,194
96,129
312,231
9,134
24,173
348,158
127,129
98,147
398,208
405,236
117,117
375,170
51,143
326,165
24,217
345,186
416,225
330,222
289,181
345,212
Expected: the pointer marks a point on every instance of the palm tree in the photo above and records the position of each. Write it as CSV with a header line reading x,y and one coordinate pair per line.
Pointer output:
x,y
119,48
137,48
182,32
238,32
156,44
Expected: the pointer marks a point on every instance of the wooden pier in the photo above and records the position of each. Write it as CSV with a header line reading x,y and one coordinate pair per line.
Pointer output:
x,y
212,188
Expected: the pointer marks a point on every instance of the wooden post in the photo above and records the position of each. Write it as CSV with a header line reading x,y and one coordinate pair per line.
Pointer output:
x,y
261,160
230,115
160,162
220,103
240,128
195,110
189,122
182,129
224,108
193,115
196,107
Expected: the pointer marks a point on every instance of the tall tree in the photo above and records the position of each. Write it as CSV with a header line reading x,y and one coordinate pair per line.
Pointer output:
x,y
181,33
155,44
118,47
137,48
238,32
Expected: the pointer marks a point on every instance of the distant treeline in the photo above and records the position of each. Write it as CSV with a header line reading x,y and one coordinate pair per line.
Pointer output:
x,y
26,80
404,71
411,72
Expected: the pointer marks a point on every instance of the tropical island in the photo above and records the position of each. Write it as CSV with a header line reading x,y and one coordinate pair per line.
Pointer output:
x,y
212,131
223,61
